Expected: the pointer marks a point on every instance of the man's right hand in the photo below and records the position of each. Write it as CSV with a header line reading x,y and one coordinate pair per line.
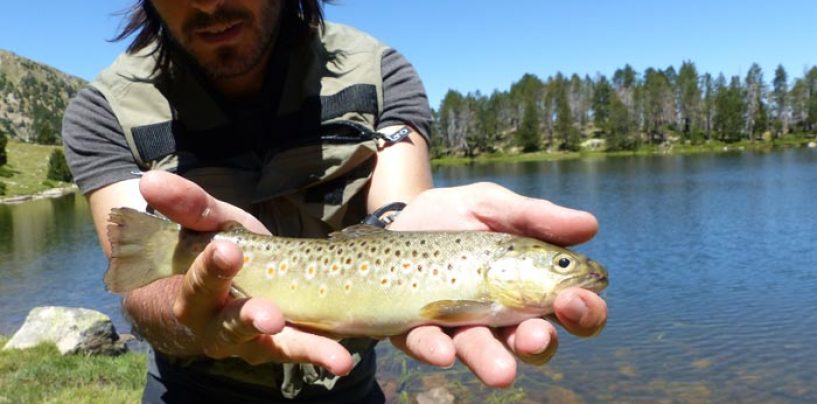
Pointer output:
x,y
202,317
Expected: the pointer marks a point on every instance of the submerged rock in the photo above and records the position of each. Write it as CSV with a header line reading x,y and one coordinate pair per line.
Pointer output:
x,y
437,395
73,330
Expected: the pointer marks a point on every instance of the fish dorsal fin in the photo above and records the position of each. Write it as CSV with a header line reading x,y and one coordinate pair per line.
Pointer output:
x,y
456,312
356,230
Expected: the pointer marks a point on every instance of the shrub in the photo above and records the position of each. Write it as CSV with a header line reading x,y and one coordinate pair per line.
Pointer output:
x,y
58,168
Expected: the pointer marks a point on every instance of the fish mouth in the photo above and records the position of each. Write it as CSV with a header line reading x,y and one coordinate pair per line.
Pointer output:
x,y
594,281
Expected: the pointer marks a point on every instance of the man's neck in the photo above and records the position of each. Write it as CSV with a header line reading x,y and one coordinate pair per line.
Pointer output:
x,y
245,85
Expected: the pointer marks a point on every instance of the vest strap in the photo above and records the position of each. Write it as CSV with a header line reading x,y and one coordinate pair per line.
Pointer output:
x,y
360,98
154,141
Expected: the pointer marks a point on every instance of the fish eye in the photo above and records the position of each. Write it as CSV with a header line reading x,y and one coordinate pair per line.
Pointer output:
x,y
563,263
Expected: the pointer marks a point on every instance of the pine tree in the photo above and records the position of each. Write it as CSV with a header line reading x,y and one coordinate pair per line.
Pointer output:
x,y
730,109
811,103
601,103
689,99
619,129
780,92
527,136
708,104
564,118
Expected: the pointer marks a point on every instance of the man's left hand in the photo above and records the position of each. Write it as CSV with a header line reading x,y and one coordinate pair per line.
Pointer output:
x,y
489,353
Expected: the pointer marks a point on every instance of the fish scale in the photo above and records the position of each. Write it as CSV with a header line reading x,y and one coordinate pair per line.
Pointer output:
x,y
366,281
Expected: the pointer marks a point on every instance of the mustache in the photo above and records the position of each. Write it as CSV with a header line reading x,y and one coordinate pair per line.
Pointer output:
x,y
201,20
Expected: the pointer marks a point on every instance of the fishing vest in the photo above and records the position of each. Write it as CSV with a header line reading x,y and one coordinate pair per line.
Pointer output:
x,y
305,177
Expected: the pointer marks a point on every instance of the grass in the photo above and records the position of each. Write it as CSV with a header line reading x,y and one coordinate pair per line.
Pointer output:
x,y
41,374
25,172
710,147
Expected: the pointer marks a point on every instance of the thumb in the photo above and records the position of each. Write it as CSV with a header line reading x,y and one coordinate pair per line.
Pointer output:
x,y
206,286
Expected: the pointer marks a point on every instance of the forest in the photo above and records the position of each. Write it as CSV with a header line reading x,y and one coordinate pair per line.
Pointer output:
x,y
627,111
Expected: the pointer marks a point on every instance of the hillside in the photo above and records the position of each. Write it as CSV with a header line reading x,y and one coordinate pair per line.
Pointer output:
x,y
33,98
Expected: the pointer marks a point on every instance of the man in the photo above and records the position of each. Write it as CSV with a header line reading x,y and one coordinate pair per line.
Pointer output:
x,y
272,119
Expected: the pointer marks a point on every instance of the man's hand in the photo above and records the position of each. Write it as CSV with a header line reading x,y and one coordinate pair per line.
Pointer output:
x,y
484,206
252,329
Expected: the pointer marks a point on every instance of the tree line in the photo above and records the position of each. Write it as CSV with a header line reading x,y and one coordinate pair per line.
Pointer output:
x,y
626,111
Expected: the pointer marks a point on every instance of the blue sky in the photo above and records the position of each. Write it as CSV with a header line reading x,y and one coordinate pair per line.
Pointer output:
x,y
486,45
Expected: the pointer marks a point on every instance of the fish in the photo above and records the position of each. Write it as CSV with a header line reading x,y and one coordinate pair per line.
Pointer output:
x,y
364,280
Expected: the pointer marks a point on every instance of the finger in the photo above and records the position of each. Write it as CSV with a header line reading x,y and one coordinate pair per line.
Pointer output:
x,y
244,319
206,286
485,356
186,203
294,345
506,211
581,312
533,341
428,344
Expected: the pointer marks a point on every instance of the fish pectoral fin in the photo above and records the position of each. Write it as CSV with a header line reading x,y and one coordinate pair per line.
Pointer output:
x,y
356,230
322,329
456,312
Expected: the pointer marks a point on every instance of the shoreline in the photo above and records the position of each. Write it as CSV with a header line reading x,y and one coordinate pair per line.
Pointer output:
x,y
675,149
48,193
518,157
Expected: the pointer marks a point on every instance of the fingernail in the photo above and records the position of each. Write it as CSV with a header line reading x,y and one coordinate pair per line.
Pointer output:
x,y
221,263
575,309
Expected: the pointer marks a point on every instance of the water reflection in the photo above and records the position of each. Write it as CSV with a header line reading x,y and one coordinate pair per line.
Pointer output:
x,y
49,255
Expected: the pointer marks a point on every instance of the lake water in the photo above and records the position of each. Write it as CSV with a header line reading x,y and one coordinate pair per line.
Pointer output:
x,y
712,263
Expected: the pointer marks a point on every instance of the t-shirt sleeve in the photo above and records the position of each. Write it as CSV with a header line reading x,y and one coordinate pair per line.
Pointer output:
x,y
404,97
94,143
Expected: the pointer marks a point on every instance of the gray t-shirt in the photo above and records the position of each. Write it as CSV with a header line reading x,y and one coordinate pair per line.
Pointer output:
x,y
98,153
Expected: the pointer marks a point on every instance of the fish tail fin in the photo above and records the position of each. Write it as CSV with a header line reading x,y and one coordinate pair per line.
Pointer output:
x,y
142,249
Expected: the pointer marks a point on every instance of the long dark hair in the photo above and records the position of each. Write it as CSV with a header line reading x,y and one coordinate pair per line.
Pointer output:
x,y
304,16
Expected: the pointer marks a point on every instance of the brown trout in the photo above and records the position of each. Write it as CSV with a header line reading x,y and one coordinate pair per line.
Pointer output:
x,y
365,281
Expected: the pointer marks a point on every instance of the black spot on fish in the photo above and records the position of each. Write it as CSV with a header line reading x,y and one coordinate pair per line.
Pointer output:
x,y
414,253
458,241
436,253
419,268
425,255
397,253
373,249
378,261
422,242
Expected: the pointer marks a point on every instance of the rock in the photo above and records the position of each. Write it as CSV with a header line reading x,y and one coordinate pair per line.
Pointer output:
x,y
594,144
73,330
437,395
812,145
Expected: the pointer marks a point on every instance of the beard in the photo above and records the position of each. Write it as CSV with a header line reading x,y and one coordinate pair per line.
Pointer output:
x,y
230,61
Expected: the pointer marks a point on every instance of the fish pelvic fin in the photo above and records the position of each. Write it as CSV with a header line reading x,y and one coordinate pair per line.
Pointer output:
x,y
142,249
457,312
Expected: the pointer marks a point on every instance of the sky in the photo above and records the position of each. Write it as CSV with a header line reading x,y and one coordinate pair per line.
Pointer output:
x,y
481,45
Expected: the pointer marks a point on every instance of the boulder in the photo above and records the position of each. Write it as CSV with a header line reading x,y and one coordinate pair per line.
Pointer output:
x,y
72,330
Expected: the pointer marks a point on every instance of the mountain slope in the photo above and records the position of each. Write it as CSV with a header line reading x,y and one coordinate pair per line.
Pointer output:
x,y
33,98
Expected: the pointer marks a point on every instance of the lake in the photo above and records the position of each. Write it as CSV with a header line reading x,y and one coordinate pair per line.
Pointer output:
x,y
712,264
